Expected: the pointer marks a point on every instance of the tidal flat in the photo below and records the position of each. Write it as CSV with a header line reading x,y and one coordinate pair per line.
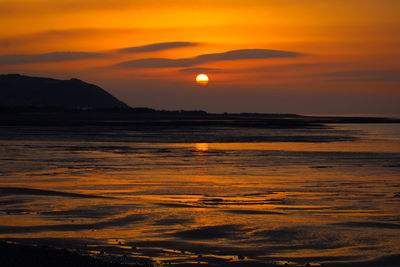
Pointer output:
x,y
237,192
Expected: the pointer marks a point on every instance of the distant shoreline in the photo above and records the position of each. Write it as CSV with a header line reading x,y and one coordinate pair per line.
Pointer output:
x,y
181,118
150,112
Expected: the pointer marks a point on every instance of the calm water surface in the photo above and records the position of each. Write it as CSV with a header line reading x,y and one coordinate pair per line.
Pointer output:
x,y
205,195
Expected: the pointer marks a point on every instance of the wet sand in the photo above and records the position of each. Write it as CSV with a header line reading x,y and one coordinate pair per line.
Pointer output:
x,y
13,255
17,255
182,193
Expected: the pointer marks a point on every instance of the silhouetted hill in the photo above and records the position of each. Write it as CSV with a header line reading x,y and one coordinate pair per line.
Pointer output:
x,y
18,91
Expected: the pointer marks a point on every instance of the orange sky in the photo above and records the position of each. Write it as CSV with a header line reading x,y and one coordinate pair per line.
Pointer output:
x,y
309,56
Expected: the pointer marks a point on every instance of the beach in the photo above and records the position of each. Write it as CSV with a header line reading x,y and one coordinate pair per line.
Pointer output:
x,y
323,195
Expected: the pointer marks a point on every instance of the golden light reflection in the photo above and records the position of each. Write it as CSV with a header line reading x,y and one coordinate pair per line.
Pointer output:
x,y
209,193
362,146
201,147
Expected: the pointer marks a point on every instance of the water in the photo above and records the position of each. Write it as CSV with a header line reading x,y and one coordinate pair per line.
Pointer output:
x,y
213,195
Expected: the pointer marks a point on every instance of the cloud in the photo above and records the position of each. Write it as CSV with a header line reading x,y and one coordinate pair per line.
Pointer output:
x,y
200,70
246,54
385,75
49,6
188,62
156,47
158,63
50,37
46,57
289,67
285,67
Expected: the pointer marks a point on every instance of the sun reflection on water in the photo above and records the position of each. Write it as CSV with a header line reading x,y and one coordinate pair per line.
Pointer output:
x,y
174,202
202,147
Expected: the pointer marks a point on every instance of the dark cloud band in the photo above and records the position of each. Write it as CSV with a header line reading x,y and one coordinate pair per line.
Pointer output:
x,y
188,62
156,47
47,57
200,70
66,56
384,75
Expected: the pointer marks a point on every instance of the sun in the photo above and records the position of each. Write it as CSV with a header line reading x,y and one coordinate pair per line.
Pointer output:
x,y
202,79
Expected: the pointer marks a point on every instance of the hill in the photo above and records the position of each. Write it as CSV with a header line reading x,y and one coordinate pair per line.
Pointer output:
x,y
18,91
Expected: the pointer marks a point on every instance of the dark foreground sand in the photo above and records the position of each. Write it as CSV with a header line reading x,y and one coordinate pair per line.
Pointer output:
x,y
32,256
15,255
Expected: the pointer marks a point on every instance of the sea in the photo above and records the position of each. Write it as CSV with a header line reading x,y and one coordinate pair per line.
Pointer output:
x,y
204,195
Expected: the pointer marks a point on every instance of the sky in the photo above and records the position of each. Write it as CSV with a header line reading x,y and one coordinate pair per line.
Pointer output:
x,y
271,56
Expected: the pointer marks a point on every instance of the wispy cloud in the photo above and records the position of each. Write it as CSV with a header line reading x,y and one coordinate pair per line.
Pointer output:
x,y
156,47
384,75
45,37
188,62
246,54
157,63
9,8
46,57
200,70
280,68
13,59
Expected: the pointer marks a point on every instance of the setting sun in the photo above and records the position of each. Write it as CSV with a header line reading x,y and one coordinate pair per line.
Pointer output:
x,y
202,79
